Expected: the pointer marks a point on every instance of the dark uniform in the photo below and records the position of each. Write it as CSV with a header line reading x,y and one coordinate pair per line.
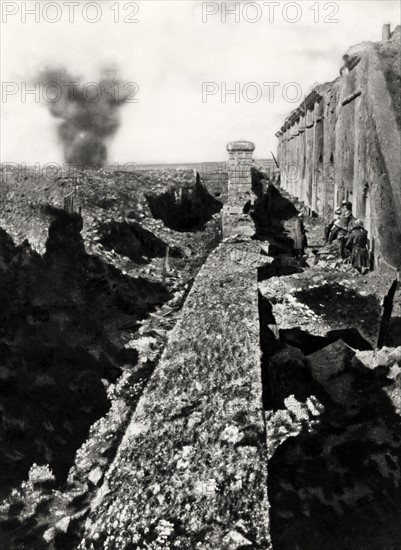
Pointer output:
x,y
340,229
300,240
358,244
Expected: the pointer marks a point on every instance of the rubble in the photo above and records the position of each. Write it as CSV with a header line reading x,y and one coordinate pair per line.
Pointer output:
x,y
333,408
77,266
177,455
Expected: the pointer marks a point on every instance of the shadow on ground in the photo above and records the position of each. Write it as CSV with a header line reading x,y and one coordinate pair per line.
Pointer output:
x,y
185,209
337,486
60,339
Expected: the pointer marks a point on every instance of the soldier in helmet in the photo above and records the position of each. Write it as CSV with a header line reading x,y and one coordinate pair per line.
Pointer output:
x,y
340,227
357,243
339,212
300,240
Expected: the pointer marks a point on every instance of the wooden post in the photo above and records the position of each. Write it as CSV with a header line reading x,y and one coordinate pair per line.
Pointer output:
x,y
69,203
166,267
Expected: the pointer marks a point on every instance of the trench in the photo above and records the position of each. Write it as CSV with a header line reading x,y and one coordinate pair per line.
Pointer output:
x,y
334,480
60,346
187,208
65,318
130,239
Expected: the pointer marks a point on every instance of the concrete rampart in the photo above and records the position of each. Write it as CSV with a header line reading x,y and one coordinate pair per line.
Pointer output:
x,y
343,143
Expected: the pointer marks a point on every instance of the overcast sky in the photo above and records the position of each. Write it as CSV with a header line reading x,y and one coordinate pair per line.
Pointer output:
x,y
173,49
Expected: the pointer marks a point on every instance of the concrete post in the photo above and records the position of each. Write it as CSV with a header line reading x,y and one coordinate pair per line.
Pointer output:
x,y
386,32
239,189
239,168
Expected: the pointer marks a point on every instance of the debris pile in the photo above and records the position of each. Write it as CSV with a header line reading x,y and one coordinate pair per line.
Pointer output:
x,y
87,311
332,402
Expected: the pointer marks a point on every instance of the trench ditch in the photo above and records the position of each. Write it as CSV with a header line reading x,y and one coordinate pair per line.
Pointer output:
x,y
333,428
70,377
61,347
188,208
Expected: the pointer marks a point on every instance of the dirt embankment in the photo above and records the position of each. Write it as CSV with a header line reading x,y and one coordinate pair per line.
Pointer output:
x,y
77,339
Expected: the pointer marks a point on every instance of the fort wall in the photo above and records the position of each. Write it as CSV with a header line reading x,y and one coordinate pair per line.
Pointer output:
x,y
343,143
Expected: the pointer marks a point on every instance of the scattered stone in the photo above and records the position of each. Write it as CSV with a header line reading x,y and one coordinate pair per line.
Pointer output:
x,y
234,541
265,249
63,524
230,434
298,409
49,534
95,476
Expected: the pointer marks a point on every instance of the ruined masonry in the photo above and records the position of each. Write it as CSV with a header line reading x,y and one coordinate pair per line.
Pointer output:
x,y
343,143
239,189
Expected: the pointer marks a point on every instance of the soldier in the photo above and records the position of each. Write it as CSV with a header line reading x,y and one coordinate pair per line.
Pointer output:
x,y
340,227
300,240
339,212
357,243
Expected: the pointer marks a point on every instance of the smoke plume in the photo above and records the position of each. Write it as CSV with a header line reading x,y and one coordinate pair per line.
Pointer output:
x,y
89,113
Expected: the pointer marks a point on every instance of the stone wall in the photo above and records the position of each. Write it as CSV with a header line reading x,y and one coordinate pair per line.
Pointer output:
x,y
343,143
216,183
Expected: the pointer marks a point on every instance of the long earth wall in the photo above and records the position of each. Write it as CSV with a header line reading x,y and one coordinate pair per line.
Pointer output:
x,y
343,143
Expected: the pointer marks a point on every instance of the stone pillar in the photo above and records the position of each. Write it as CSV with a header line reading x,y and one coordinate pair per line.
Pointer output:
x,y
287,160
309,138
239,168
283,158
386,32
329,136
302,160
239,189
318,194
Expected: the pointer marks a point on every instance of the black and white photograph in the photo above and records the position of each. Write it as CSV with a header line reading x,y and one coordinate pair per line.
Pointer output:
x,y
200,275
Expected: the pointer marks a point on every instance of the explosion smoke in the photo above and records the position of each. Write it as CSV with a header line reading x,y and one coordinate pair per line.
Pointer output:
x,y
89,114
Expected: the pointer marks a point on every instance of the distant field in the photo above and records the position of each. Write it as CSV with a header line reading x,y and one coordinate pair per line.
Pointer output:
x,y
183,166
210,166
200,166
